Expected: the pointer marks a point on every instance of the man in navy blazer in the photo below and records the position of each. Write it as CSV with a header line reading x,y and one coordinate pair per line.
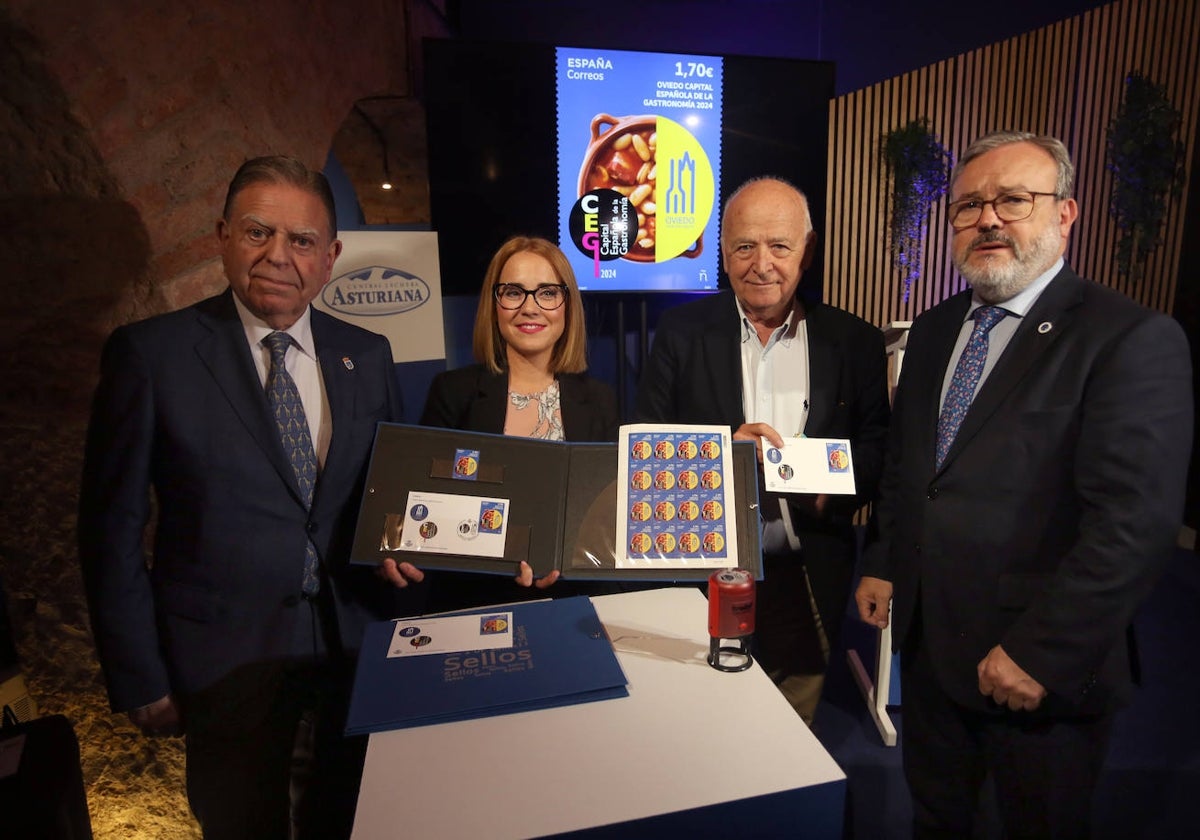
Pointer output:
x,y
217,636
767,363
1018,549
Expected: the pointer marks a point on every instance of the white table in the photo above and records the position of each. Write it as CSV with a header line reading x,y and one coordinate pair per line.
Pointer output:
x,y
691,749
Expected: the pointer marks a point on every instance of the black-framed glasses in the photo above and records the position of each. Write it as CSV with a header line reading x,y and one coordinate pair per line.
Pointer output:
x,y
1008,207
512,296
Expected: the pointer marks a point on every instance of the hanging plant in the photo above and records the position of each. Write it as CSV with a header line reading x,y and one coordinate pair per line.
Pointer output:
x,y
1146,161
919,168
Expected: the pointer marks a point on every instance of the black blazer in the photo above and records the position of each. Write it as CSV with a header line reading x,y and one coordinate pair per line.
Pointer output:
x,y
694,375
180,410
1058,503
475,399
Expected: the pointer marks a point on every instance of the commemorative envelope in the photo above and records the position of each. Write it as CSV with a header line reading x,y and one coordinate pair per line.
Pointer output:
x,y
451,634
445,523
809,465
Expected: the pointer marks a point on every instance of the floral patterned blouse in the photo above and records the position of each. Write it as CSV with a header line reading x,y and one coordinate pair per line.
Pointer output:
x,y
535,415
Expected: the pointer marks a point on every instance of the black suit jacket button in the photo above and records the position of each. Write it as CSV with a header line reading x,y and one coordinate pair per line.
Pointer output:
x,y
311,527
932,494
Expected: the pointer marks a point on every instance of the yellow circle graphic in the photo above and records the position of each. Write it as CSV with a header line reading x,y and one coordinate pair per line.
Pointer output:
x,y
684,193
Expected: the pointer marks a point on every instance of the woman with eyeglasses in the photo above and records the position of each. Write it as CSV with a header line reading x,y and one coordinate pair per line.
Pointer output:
x,y
529,379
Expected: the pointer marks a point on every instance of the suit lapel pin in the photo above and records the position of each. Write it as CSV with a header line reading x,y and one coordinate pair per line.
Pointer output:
x,y
346,360
1045,327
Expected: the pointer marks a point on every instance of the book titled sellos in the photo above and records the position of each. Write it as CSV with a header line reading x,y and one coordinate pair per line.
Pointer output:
x,y
559,655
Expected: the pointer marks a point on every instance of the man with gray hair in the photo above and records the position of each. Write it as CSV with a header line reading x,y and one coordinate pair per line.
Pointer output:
x,y
1032,492
767,363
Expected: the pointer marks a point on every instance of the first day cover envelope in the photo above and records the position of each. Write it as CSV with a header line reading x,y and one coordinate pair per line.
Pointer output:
x,y
809,465
449,524
451,634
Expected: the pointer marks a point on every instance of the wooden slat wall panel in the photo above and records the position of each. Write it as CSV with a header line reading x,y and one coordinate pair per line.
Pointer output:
x,y
1065,79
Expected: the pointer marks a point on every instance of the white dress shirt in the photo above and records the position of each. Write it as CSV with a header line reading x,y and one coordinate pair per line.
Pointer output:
x,y
775,389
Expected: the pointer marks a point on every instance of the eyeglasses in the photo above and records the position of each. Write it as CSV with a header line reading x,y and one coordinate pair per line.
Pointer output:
x,y
512,296
1008,207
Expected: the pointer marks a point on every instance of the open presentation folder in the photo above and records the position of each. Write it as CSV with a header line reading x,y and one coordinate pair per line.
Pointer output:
x,y
470,501
557,654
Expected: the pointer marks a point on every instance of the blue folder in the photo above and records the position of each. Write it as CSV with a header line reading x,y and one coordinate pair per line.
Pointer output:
x,y
561,655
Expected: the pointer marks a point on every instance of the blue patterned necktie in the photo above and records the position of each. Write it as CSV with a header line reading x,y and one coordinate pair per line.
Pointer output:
x,y
965,379
288,411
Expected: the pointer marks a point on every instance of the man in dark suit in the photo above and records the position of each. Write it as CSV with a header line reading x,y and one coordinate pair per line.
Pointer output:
x,y
767,363
239,630
1018,548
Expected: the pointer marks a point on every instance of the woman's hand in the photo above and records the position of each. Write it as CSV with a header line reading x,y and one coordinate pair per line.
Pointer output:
x,y
400,574
525,577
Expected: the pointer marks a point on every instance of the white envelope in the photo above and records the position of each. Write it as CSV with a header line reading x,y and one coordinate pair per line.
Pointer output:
x,y
451,634
809,465
444,523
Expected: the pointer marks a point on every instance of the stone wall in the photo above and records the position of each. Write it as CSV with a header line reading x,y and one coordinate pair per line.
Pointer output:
x,y
120,125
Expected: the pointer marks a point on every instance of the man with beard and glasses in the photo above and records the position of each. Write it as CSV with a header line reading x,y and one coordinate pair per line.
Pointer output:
x,y
1032,491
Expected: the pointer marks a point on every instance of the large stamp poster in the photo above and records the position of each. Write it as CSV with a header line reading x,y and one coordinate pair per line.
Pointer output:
x,y
639,161
675,505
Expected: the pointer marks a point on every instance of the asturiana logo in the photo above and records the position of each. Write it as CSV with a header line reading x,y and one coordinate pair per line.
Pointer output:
x,y
377,290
